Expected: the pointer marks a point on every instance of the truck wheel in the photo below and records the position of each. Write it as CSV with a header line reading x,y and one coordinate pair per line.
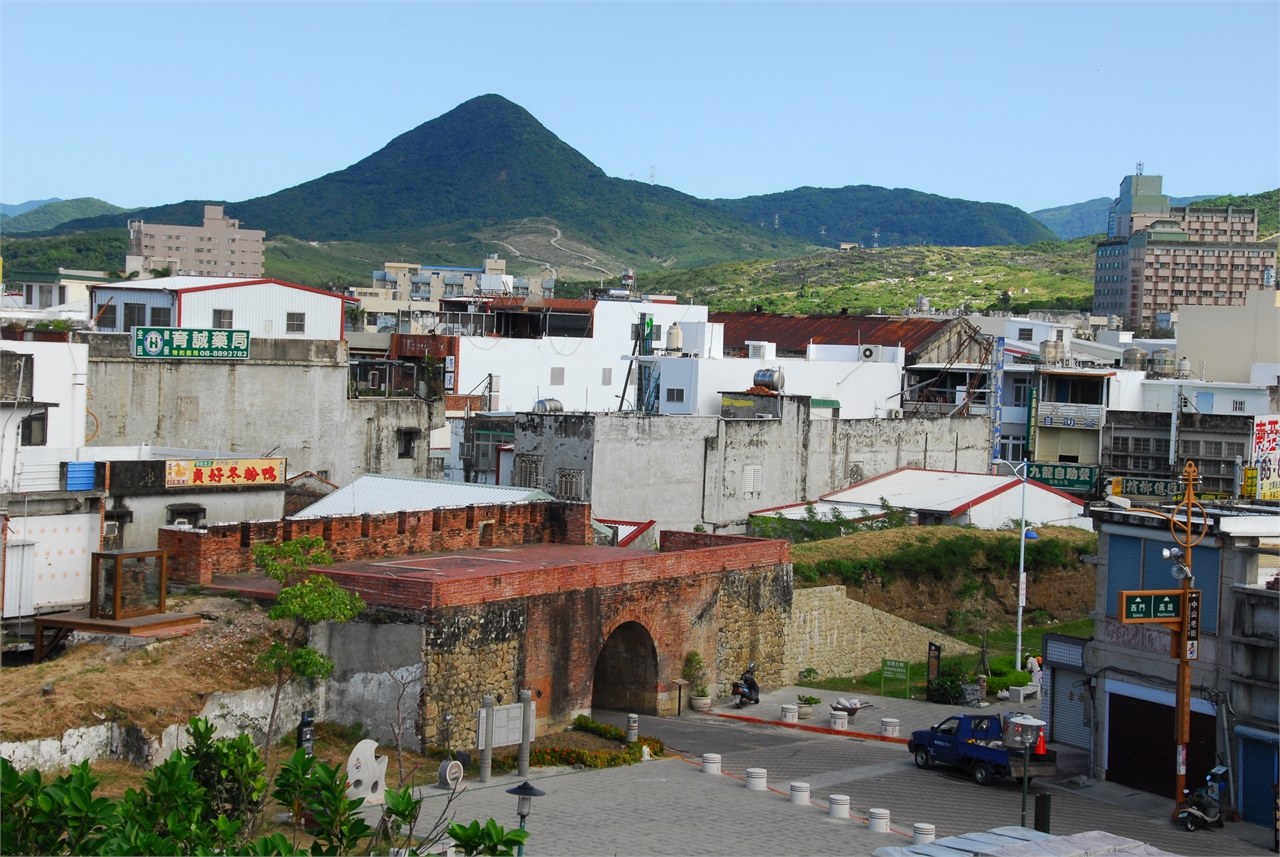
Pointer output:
x,y
982,774
922,758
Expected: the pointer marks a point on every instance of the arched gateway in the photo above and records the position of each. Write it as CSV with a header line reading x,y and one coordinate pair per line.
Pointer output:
x,y
626,675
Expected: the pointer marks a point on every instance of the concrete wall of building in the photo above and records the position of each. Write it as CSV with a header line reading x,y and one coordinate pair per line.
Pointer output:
x,y
263,309
690,471
60,371
837,636
289,400
377,679
1229,340
150,513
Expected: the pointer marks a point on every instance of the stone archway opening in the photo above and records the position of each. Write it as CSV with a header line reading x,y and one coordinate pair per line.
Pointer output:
x,y
626,676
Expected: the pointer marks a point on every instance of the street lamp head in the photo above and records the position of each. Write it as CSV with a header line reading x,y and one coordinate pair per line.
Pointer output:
x,y
1030,534
1172,554
525,793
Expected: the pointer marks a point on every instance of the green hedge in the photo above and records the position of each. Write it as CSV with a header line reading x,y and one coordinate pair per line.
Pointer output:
x,y
943,558
543,757
1013,678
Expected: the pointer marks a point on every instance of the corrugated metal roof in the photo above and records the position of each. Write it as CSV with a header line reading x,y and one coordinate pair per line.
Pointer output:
x,y
536,304
173,284
939,490
795,332
823,508
374,493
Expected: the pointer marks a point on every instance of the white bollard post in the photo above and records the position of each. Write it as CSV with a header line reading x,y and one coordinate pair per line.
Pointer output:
x,y
838,806
757,779
889,727
800,794
840,720
710,763
922,834
790,713
633,728
878,820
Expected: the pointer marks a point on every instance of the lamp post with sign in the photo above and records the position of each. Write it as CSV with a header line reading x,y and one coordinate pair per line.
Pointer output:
x,y
1020,470
1178,610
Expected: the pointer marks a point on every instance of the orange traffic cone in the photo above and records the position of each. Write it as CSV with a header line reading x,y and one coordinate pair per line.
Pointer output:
x,y
1040,749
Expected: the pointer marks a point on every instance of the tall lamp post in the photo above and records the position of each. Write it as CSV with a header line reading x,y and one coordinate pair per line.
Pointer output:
x,y
525,793
1020,470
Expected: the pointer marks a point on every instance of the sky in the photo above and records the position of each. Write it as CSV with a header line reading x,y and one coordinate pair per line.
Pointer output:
x,y
1032,104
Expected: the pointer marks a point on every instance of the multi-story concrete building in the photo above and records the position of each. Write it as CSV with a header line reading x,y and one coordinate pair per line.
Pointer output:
x,y
1239,344
219,248
1159,257
405,297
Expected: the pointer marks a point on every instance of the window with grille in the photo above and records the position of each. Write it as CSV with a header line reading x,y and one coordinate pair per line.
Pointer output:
x,y
570,484
1140,444
161,316
606,377
1025,334
1161,446
752,478
675,394
1191,447
1233,449
1213,449
1237,406
107,317
135,315
557,376
295,322
1120,444
222,319
528,471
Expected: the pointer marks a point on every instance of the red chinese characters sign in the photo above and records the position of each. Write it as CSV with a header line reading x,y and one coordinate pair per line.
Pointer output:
x,y
224,472
1266,455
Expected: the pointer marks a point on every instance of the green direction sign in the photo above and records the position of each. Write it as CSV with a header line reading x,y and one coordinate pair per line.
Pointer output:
x,y
1068,477
188,343
893,669
1154,605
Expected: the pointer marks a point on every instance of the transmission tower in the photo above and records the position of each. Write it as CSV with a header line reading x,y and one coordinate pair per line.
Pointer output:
x,y
822,230
875,238
775,221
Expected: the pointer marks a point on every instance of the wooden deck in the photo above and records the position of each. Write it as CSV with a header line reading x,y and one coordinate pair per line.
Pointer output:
x,y
63,624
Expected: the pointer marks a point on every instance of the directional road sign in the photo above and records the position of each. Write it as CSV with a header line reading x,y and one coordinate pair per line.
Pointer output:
x,y
1151,605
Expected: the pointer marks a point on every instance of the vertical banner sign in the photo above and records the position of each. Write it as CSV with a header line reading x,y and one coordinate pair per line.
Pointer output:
x,y
1266,456
997,397
1192,626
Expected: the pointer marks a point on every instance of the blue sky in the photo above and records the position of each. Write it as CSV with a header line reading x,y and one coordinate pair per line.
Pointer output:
x,y
1033,104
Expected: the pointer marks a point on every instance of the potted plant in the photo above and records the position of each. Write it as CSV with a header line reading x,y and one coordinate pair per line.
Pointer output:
x,y
805,704
695,672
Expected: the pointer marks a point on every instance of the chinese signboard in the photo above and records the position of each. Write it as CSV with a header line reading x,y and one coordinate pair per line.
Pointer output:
x,y
1068,477
1159,488
1151,605
1193,615
224,472
893,669
191,342
1266,456
997,397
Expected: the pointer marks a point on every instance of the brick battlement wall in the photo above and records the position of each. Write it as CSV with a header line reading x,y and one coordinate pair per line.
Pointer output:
x,y
726,554
197,556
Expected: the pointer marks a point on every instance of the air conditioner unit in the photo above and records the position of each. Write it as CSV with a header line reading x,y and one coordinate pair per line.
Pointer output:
x,y
894,413
869,353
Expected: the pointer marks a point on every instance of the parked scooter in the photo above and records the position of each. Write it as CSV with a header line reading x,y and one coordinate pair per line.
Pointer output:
x,y
1201,808
746,689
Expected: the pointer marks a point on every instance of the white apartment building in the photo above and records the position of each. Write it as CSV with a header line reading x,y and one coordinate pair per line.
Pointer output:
x,y
405,297
219,248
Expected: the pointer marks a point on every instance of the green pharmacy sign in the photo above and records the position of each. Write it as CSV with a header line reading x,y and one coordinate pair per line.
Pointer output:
x,y
190,343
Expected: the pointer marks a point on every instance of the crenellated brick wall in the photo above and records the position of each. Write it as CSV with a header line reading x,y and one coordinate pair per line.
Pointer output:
x,y
197,556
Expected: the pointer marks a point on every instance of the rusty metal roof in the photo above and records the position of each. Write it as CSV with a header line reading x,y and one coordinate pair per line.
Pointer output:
x,y
794,332
534,305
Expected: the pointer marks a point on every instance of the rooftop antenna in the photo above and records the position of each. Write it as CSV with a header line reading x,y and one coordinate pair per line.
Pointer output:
x,y
875,238
1140,167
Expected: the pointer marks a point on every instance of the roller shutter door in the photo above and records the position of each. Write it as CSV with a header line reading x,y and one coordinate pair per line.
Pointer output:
x,y
1258,773
1140,746
1072,723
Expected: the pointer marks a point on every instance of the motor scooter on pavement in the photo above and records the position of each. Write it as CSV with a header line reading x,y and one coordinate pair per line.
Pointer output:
x,y
1202,808
745,689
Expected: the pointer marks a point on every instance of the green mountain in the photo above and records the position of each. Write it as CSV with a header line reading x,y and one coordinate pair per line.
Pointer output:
x,y
55,213
100,250
1267,203
487,176
14,209
827,216
1089,218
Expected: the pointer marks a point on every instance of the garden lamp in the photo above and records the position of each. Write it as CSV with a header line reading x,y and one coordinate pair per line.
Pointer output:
x,y
525,793
1028,734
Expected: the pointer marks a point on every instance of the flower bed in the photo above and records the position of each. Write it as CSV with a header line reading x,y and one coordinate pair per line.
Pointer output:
x,y
629,754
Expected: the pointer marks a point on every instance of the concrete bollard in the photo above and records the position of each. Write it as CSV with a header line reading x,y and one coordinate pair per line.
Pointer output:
x,y
633,728
840,720
889,727
878,820
838,806
710,763
757,779
790,713
800,794
923,834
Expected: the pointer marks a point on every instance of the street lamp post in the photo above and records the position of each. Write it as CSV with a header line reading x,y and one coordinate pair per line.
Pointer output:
x,y
1020,470
525,793
1027,739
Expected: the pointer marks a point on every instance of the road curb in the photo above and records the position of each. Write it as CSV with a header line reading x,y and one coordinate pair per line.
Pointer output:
x,y
805,727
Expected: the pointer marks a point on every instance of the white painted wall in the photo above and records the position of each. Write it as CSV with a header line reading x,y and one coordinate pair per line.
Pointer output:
x,y
261,309
60,376
1205,397
57,573
1043,507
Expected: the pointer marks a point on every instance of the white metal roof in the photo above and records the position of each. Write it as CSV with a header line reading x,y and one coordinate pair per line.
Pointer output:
x,y
823,509
175,283
374,493
940,490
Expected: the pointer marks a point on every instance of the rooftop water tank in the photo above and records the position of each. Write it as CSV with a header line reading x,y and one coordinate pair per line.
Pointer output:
x,y
1184,367
770,379
548,406
1134,359
675,337
1052,352
1164,362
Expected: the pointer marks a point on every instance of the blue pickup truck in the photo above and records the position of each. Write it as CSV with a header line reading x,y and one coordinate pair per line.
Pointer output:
x,y
975,743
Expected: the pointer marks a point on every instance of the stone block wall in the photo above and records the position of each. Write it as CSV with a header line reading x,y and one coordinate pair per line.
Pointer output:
x,y
838,636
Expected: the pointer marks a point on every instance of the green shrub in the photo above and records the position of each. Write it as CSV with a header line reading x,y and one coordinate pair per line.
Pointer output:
x,y
1001,665
1013,678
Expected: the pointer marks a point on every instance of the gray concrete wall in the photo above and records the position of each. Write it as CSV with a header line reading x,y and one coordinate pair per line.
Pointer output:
x,y
289,400
150,513
375,667
689,471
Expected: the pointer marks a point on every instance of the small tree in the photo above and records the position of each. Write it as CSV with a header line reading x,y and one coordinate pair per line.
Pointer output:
x,y
308,599
695,672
